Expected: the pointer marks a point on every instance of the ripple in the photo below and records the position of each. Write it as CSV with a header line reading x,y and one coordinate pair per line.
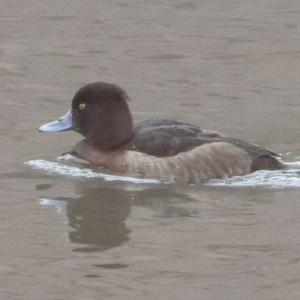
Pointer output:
x,y
59,168
271,179
164,57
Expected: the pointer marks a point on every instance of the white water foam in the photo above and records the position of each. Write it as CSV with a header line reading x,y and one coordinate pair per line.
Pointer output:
x,y
58,204
273,179
59,168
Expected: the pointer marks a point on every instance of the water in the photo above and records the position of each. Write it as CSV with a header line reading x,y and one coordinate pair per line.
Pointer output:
x,y
62,169
273,179
232,67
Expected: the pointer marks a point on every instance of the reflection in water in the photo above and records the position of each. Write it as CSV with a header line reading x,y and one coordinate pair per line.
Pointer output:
x,y
98,216
100,220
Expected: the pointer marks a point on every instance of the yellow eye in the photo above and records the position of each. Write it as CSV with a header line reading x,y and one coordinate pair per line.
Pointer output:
x,y
82,106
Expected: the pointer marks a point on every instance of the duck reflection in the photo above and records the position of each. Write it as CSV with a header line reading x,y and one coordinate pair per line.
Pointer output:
x,y
98,216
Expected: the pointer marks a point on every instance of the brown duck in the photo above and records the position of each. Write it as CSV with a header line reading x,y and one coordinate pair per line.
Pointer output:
x,y
164,149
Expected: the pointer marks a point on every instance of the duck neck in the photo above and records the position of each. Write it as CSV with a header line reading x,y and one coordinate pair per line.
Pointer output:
x,y
116,146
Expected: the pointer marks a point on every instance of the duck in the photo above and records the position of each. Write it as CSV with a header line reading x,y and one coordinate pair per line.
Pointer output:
x,y
167,150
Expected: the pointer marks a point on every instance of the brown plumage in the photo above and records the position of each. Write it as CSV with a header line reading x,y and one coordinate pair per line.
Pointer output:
x,y
165,149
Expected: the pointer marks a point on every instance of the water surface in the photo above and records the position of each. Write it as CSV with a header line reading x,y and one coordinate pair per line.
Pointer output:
x,y
232,67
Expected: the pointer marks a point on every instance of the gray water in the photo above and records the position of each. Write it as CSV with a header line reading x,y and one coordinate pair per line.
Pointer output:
x,y
232,66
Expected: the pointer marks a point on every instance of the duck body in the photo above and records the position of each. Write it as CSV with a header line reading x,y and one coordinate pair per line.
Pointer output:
x,y
164,149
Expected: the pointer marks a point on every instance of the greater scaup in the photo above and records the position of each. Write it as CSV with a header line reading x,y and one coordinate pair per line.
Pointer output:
x,y
164,149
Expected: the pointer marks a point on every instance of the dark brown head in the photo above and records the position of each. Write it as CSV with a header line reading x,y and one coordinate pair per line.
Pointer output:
x,y
100,113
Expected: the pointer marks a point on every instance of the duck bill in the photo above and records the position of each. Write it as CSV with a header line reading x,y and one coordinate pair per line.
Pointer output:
x,y
62,124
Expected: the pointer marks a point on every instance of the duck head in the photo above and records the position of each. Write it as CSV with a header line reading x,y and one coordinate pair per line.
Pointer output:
x,y
100,113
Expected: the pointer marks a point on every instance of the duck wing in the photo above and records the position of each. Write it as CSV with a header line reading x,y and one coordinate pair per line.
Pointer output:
x,y
167,137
